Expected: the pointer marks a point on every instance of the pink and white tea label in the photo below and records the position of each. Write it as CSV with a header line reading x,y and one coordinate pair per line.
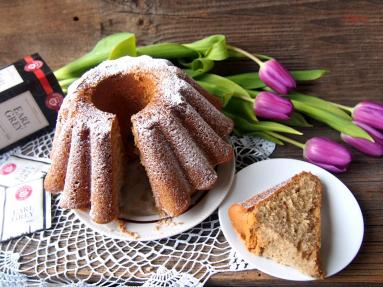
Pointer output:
x,y
24,205
18,169
26,209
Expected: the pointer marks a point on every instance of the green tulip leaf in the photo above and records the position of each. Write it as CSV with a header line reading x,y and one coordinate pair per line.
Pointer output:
x,y
222,92
218,51
212,47
115,45
252,93
329,118
308,75
167,51
319,103
297,120
247,80
198,66
278,127
251,80
246,126
112,42
242,108
241,125
122,47
67,82
225,84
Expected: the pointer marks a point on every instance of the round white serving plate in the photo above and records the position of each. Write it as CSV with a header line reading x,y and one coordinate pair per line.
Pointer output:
x,y
342,220
151,227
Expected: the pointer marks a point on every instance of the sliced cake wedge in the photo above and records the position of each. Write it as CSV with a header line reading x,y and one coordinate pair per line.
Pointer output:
x,y
284,223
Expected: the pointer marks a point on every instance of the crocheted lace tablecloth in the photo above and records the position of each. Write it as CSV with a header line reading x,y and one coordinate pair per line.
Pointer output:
x,y
71,254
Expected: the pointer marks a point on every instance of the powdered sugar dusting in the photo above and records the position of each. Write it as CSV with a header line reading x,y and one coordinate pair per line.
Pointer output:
x,y
262,196
170,187
267,193
178,150
159,68
191,158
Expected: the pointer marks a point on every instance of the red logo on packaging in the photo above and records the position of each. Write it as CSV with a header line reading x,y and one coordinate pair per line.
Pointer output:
x,y
7,168
54,101
35,65
23,192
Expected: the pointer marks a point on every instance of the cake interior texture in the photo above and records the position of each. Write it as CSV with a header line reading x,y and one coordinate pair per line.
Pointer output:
x,y
284,223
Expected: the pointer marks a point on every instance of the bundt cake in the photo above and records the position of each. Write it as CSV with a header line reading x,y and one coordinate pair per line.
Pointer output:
x,y
136,105
284,223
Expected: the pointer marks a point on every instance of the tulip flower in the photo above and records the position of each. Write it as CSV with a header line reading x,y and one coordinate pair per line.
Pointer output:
x,y
366,146
271,72
370,113
321,151
277,77
271,106
328,154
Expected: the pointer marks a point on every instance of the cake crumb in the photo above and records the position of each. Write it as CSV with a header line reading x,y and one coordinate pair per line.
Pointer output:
x,y
168,221
123,229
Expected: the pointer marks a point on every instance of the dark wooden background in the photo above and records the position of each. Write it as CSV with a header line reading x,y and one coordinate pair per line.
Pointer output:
x,y
345,37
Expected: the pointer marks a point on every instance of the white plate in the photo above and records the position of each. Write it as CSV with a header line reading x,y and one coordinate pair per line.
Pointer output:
x,y
342,220
148,227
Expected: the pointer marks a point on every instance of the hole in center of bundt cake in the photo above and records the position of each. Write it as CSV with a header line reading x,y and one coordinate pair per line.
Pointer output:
x,y
124,95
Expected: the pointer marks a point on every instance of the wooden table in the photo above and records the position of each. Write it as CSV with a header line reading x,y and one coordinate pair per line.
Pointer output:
x,y
343,36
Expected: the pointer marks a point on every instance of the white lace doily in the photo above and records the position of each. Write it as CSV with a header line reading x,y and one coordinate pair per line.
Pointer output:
x,y
71,254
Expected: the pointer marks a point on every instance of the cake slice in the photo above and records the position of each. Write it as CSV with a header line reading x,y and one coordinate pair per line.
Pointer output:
x,y
284,223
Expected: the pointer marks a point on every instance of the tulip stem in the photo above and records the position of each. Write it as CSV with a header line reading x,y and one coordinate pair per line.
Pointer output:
x,y
286,139
346,108
247,99
254,57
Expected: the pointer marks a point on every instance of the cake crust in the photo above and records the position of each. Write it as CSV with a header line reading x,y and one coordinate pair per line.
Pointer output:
x,y
136,106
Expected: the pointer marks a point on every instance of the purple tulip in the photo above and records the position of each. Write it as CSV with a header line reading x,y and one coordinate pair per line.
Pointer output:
x,y
366,146
370,113
277,77
327,154
271,106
